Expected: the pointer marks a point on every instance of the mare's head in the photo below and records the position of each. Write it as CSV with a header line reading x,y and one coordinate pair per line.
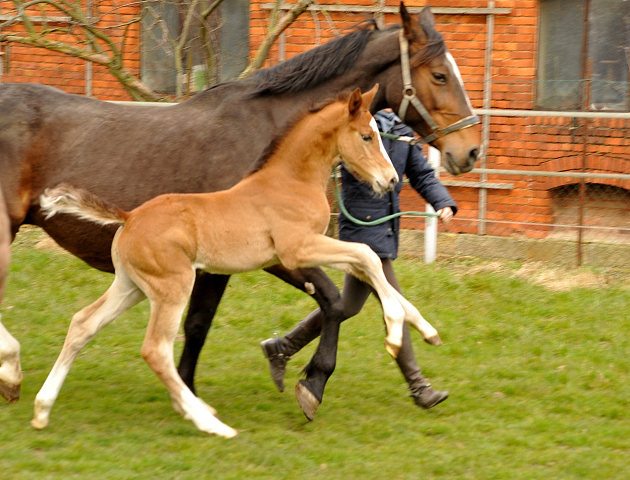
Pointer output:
x,y
435,80
360,146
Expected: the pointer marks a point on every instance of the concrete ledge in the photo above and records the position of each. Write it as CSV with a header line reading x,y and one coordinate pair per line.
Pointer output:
x,y
554,252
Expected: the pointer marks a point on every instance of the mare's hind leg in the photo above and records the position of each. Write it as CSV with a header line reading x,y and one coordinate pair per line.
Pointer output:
x,y
157,350
10,368
204,302
122,295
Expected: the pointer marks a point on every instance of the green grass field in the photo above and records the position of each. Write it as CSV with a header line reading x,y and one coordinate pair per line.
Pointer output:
x,y
539,381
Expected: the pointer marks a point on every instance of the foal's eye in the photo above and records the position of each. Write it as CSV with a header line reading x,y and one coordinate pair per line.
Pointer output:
x,y
367,138
440,78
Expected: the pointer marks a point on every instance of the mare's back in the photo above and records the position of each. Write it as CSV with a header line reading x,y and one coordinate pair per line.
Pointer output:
x,y
99,145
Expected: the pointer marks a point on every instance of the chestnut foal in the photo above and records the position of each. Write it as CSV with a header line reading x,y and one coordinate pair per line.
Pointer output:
x,y
276,215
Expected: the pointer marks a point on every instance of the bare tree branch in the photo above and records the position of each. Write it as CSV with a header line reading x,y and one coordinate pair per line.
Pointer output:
x,y
273,34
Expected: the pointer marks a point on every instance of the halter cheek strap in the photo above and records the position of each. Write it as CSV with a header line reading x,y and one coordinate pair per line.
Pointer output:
x,y
409,96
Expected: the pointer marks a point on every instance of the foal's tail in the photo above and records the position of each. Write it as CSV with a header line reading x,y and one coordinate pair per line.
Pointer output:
x,y
80,203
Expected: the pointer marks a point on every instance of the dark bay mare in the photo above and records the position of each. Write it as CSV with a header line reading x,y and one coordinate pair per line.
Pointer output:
x,y
129,154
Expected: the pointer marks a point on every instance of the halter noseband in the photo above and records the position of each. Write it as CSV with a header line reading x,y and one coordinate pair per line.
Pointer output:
x,y
409,96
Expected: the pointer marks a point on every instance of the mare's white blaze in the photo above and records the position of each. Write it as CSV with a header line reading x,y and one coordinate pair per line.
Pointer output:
x,y
455,68
374,126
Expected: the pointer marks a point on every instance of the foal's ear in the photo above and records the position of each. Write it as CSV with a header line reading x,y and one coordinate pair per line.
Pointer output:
x,y
369,96
354,103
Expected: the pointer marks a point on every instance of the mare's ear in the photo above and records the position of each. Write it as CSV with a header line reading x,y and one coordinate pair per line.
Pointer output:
x,y
354,103
412,30
426,17
369,96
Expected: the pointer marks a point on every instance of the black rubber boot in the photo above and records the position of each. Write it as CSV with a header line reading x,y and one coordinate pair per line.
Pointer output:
x,y
278,350
426,397
421,391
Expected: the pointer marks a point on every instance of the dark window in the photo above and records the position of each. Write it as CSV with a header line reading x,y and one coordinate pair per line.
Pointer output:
x,y
216,48
584,46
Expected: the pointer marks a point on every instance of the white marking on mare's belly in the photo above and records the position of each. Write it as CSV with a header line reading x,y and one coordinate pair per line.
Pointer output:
x,y
374,126
455,68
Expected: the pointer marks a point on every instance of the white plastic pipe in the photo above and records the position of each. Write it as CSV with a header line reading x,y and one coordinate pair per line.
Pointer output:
x,y
431,223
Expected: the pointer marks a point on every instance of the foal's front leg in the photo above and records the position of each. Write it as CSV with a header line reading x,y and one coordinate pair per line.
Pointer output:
x,y
157,350
360,261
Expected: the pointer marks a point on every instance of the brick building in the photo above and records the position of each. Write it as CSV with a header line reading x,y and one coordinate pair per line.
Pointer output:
x,y
533,55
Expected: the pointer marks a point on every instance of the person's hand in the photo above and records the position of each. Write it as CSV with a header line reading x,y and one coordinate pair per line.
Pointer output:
x,y
446,214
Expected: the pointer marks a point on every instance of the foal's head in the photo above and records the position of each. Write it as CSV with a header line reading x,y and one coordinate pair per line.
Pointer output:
x,y
360,145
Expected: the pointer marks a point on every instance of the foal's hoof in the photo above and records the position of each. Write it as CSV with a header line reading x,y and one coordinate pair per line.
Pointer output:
x,y
392,349
308,402
39,423
434,340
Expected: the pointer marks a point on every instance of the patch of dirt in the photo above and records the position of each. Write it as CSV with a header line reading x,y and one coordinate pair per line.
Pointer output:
x,y
50,245
552,278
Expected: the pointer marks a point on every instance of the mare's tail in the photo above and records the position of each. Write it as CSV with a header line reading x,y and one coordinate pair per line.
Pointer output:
x,y
80,203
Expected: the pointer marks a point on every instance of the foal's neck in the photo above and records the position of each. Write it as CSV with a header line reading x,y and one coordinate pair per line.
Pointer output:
x,y
308,152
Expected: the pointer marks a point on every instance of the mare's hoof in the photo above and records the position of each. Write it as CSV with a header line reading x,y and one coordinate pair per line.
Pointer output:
x,y
392,349
434,340
10,392
308,402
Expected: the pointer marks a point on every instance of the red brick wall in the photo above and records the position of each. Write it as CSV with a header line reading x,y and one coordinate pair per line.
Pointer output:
x,y
539,143
30,64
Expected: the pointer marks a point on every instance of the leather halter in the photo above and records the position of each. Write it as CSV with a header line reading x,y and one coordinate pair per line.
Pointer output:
x,y
409,96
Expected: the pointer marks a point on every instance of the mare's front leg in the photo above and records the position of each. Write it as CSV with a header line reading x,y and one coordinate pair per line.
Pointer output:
x,y
315,282
204,301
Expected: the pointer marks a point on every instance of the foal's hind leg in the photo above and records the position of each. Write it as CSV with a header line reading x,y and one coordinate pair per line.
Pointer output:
x,y
157,350
122,295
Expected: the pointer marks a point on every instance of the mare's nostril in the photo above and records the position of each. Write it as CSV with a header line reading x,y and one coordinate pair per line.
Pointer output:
x,y
474,154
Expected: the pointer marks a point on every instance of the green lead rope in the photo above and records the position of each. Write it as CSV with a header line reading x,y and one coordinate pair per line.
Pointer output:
x,y
378,221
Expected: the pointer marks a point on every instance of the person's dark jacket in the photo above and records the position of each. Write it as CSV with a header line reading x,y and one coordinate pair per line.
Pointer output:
x,y
363,204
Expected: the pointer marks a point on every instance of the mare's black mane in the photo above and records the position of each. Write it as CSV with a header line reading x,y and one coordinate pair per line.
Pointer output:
x,y
318,65
315,66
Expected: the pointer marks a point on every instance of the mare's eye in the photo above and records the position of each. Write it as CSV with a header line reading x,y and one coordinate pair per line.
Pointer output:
x,y
440,78
367,138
